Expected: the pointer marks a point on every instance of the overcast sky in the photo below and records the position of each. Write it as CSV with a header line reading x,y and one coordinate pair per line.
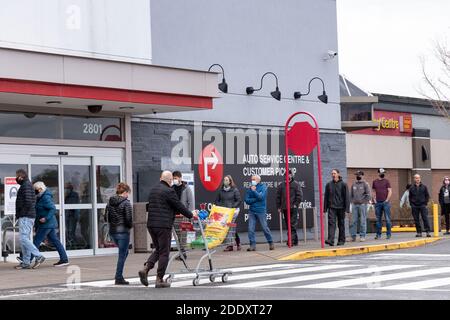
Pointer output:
x,y
381,42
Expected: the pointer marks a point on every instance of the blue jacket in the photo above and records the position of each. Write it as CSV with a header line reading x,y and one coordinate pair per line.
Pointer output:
x,y
257,199
45,208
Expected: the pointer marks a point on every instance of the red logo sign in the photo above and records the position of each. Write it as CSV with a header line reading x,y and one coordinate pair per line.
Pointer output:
x,y
302,138
210,168
390,124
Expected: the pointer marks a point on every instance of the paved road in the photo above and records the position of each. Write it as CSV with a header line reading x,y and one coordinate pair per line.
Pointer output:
x,y
420,273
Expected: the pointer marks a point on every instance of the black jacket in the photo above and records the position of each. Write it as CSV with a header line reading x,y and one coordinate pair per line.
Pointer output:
x,y
163,205
336,196
295,194
418,195
26,201
119,214
441,194
228,199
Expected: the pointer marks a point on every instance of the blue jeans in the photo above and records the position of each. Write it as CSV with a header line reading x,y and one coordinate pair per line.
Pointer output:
x,y
252,224
122,240
28,248
50,233
359,213
385,207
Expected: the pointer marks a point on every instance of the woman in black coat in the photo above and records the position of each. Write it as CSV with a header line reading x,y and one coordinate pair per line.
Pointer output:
x,y
444,201
230,197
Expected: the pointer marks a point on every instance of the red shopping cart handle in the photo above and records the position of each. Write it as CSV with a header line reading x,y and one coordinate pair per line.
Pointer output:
x,y
231,224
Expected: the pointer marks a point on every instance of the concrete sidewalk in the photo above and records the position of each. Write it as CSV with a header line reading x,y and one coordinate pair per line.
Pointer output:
x,y
103,267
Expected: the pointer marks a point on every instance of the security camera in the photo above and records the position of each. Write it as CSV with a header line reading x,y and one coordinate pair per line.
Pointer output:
x,y
154,111
330,55
95,108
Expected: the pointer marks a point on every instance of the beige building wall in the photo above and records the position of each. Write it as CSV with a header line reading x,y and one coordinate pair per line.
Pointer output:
x,y
440,154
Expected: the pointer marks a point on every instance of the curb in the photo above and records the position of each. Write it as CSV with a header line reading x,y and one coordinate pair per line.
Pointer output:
x,y
303,255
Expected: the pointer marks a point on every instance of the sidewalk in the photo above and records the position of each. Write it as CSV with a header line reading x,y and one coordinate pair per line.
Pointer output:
x,y
103,267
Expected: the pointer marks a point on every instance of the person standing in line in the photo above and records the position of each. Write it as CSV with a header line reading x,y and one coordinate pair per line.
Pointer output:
x,y
418,198
163,204
186,197
336,204
46,222
25,215
230,197
382,193
296,197
444,201
359,197
120,218
256,197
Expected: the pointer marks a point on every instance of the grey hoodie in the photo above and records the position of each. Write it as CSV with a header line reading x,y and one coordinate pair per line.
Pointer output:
x,y
360,192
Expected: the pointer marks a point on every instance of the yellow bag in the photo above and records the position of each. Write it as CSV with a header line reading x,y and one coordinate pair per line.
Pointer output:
x,y
217,228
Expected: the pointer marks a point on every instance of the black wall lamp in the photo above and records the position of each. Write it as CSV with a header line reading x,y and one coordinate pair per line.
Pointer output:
x,y
223,86
323,97
275,94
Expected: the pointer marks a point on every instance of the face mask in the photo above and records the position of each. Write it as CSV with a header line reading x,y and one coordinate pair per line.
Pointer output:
x,y
254,183
382,175
358,178
18,180
36,192
176,182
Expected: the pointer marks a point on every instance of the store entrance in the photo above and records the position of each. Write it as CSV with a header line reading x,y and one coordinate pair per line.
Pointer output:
x,y
81,186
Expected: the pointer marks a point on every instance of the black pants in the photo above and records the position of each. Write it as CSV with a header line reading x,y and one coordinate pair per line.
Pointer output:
x,y
294,222
445,210
333,215
162,239
418,212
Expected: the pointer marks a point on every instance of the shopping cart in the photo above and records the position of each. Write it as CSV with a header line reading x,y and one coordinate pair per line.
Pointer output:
x,y
197,224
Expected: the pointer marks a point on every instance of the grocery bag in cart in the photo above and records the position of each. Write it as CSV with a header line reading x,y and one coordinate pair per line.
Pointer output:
x,y
217,227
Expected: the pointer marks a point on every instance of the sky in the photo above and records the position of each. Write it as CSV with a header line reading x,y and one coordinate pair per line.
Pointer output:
x,y
381,43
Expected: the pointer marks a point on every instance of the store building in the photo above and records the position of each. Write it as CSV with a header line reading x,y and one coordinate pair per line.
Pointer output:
x,y
409,136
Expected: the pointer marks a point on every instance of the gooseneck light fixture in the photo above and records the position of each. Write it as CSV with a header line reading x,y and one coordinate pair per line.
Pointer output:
x,y
275,94
223,86
323,97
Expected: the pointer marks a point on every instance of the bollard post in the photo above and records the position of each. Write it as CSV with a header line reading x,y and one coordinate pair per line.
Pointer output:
x,y
316,232
281,226
435,220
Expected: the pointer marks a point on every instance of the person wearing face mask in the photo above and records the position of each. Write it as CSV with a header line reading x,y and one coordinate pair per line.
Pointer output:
x,y
359,197
119,214
186,197
163,204
46,222
295,197
229,197
25,215
419,198
256,197
382,193
444,201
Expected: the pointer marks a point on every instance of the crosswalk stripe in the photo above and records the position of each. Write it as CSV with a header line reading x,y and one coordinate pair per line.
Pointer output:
x,y
270,274
106,283
376,279
316,276
419,285
412,255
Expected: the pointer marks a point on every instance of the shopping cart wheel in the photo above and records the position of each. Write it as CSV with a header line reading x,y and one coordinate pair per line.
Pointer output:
x,y
225,278
169,279
212,278
196,281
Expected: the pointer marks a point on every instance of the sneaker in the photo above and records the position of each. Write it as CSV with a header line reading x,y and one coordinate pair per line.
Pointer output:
x,y
329,243
251,249
22,266
228,248
419,235
19,258
362,239
428,235
38,262
160,283
388,237
61,264
353,239
447,233
271,246
378,237
120,282
340,243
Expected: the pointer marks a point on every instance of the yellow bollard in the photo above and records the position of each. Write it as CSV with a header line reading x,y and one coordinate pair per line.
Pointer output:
x,y
435,220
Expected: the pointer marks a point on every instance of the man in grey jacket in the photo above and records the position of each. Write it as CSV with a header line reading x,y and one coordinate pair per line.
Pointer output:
x,y
186,197
359,196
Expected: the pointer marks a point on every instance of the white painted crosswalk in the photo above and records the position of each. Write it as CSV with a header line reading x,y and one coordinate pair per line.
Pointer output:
x,y
314,275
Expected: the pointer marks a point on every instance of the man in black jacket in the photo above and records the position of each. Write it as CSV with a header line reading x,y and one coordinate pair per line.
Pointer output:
x,y
163,205
336,203
25,215
296,197
418,198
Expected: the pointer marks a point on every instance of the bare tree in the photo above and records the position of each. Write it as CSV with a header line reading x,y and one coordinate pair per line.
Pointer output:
x,y
438,82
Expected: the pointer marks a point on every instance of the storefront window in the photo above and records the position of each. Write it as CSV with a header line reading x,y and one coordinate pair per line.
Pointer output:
x,y
29,125
98,129
107,179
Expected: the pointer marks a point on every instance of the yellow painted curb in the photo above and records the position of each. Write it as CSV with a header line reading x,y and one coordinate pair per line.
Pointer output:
x,y
400,229
302,255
